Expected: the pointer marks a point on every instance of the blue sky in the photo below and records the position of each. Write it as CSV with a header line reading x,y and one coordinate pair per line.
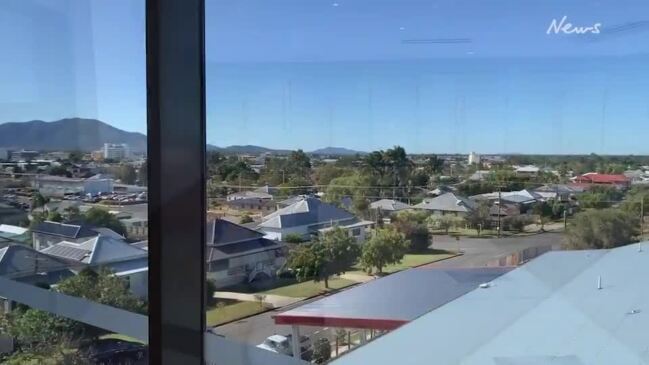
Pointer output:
x,y
432,76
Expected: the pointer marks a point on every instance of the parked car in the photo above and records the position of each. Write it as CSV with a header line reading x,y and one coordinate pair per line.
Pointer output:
x,y
283,345
115,352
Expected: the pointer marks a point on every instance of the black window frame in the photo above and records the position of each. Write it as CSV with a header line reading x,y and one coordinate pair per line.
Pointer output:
x,y
175,58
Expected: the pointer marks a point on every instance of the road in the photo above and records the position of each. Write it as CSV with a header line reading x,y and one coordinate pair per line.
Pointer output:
x,y
477,252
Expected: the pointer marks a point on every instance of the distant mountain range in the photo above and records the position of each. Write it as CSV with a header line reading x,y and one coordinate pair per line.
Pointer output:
x,y
257,150
73,134
79,134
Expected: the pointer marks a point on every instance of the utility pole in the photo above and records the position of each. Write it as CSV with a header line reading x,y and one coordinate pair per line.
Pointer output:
x,y
499,207
642,216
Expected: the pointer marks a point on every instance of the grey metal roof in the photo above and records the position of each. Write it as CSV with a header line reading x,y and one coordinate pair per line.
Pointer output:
x,y
548,311
64,230
241,248
389,205
19,261
222,232
98,250
393,300
306,211
448,202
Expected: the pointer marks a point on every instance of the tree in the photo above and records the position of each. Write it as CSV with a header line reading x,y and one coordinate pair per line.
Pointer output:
x,y
142,174
102,218
102,287
321,350
59,171
76,156
445,222
544,211
38,200
54,216
127,174
245,218
293,238
332,253
597,229
386,246
480,216
412,224
72,213
40,334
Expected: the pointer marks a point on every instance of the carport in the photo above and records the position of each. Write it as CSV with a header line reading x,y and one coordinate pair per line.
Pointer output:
x,y
387,303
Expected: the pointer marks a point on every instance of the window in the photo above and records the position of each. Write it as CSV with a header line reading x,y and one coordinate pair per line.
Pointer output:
x,y
302,161
464,122
73,175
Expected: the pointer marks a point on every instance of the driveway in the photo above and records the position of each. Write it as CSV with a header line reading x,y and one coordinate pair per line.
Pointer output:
x,y
477,252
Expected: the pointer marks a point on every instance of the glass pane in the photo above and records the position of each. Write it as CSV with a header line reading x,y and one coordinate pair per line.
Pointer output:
x,y
376,165
73,188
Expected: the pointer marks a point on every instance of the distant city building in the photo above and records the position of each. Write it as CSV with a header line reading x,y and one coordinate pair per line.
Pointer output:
x,y
59,186
23,155
474,158
116,151
4,154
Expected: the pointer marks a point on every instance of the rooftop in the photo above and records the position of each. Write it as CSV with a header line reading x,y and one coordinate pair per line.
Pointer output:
x,y
380,304
448,202
549,311
306,211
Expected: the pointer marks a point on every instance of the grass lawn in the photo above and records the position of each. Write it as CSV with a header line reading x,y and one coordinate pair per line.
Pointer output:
x,y
412,260
230,312
308,288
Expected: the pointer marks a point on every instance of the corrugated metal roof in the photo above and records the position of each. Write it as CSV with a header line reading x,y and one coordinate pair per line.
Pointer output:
x,y
448,202
548,311
304,212
391,301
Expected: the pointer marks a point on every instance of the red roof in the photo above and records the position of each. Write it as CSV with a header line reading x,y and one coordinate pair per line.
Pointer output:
x,y
602,179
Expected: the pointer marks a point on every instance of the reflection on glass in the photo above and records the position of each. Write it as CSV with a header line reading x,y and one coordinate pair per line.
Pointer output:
x,y
378,163
73,189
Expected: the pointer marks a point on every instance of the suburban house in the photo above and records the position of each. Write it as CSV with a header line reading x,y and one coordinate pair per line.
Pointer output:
x,y
59,186
48,233
22,263
593,178
480,175
11,215
522,198
249,194
560,192
236,254
254,205
389,206
526,171
307,216
448,203
109,252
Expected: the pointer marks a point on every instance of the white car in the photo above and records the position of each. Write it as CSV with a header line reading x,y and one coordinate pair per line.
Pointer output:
x,y
283,345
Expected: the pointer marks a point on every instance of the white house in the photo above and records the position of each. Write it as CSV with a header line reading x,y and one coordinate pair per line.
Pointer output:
x,y
307,216
448,203
236,254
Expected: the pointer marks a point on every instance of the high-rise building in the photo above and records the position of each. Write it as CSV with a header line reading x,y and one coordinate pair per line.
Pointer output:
x,y
474,158
116,151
